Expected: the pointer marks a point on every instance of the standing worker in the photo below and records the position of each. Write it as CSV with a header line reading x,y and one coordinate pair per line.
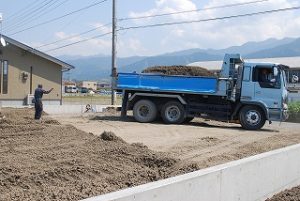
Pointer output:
x,y
38,104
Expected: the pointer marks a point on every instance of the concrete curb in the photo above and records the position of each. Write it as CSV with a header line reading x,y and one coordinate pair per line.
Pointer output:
x,y
250,179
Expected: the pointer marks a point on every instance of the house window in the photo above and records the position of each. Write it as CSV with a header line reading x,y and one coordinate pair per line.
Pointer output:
x,y
4,77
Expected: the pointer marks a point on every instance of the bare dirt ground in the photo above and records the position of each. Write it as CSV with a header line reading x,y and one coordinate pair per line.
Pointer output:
x,y
71,159
206,143
49,161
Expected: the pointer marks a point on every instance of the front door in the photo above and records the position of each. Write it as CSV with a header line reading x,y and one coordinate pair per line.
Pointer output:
x,y
267,87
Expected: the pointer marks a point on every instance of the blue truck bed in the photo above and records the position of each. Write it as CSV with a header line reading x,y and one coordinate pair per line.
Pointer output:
x,y
166,83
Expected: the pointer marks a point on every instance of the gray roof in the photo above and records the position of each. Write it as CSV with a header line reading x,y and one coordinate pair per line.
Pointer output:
x,y
65,66
292,62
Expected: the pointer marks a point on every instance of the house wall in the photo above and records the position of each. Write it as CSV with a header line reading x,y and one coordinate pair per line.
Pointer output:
x,y
44,72
89,84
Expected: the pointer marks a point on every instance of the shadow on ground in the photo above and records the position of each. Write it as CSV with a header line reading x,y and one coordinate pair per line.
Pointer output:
x,y
193,123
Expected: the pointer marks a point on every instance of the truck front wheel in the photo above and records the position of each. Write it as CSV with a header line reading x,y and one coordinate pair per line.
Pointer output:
x,y
144,111
252,118
173,112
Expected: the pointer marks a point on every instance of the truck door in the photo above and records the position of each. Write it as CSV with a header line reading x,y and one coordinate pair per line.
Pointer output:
x,y
267,88
247,92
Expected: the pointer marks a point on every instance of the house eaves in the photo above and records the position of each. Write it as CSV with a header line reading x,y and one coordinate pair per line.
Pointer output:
x,y
65,66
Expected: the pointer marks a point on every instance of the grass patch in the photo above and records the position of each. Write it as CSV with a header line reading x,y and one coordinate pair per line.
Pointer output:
x,y
294,112
83,99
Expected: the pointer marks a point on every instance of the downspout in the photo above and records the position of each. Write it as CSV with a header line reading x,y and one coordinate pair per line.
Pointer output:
x,y
61,85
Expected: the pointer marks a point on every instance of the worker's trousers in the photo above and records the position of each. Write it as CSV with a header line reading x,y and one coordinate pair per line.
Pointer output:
x,y
38,109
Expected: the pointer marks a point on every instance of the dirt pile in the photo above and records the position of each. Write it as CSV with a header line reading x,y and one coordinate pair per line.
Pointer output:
x,y
179,70
110,136
1,116
288,195
49,161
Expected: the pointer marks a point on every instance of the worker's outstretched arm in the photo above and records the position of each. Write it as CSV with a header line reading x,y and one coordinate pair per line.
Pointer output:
x,y
49,91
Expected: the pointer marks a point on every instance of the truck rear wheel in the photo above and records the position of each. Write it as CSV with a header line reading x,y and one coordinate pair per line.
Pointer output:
x,y
252,118
173,112
144,111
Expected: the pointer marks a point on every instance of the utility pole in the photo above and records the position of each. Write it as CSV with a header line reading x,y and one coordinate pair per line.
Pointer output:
x,y
114,52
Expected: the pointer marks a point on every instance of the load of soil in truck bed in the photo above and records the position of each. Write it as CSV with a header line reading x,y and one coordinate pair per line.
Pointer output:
x,y
180,70
49,161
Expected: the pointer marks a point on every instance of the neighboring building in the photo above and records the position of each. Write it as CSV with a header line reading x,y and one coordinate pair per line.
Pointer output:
x,y
89,85
67,84
103,85
292,62
22,68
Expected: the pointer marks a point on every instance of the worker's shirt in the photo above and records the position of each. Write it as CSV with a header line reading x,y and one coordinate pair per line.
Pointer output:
x,y
38,94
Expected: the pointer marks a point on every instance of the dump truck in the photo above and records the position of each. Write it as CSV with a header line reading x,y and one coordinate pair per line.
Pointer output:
x,y
246,93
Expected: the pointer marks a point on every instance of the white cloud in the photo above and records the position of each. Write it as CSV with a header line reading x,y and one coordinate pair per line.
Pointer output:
x,y
212,34
90,47
101,28
168,6
221,34
130,47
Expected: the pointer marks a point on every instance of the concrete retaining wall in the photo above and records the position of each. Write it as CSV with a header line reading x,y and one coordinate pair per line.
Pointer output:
x,y
20,103
72,109
250,179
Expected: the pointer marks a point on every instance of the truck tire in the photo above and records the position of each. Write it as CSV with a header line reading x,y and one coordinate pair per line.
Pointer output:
x,y
173,112
144,111
252,118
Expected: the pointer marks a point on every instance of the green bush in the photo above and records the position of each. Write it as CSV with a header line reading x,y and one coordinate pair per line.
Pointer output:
x,y
294,112
294,107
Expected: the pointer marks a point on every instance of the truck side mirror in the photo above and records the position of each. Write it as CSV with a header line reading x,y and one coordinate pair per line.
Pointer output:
x,y
295,79
275,71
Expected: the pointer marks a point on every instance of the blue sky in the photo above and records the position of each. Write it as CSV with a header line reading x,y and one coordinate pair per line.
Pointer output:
x,y
150,41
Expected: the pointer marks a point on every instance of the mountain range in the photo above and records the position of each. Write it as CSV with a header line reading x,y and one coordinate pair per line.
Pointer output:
x,y
99,67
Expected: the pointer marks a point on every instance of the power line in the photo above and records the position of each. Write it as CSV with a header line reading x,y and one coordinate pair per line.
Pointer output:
x,y
23,10
65,25
60,17
31,12
77,42
211,19
196,10
80,34
37,15
184,22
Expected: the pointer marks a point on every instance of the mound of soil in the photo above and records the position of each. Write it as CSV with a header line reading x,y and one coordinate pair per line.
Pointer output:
x,y
288,195
1,116
49,161
110,136
179,70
